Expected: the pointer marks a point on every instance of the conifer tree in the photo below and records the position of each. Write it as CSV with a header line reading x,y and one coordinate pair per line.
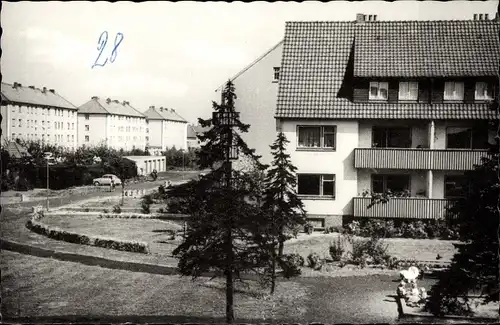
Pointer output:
x,y
284,209
219,234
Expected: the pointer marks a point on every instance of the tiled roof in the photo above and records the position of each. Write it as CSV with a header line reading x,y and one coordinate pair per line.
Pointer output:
x,y
194,130
102,106
34,96
454,48
160,113
16,150
317,56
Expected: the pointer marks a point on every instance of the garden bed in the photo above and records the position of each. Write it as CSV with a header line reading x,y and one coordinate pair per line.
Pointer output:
x,y
157,234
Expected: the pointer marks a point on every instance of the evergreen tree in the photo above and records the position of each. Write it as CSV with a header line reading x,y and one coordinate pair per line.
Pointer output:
x,y
284,209
219,234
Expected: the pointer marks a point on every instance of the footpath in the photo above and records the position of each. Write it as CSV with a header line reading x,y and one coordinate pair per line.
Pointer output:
x,y
16,237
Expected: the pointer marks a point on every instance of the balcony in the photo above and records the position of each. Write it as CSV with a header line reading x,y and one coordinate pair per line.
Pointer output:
x,y
413,158
406,208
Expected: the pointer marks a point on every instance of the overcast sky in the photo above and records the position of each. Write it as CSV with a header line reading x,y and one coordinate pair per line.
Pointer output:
x,y
172,54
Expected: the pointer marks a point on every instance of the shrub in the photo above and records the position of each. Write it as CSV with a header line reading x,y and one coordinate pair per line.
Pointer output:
x,y
337,249
369,251
178,205
145,208
161,210
290,264
117,209
314,261
105,211
308,228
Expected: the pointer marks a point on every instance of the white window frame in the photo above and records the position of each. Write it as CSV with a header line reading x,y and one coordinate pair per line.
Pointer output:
x,y
322,180
489,91
405,90
87,138
87,117
379,85
455,95
322,133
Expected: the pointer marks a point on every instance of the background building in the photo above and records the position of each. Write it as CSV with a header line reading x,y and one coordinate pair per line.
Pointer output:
x,y
38,114
165,129
111,122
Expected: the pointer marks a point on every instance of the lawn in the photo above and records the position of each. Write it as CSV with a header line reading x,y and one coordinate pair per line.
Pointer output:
x,y
152,231
402,248
33,286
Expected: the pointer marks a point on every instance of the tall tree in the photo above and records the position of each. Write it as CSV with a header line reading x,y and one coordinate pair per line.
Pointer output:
x,y
219,235
284,209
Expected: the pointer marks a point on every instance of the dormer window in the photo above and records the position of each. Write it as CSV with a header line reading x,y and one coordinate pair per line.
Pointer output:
x,y
453,90
276,76
378,90
484,91
408,90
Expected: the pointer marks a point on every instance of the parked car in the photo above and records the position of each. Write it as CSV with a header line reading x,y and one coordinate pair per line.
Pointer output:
x,y
106,180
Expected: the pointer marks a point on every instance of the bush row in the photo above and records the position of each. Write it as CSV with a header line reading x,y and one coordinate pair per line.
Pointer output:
x,y
390,228
126,216
58,234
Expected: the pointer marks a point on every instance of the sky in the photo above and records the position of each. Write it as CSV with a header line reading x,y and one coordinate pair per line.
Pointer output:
x,y
172,54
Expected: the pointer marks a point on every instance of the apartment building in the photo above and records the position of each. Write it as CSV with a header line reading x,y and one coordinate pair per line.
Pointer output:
x,y
38,114
257,90
112,123
165,129
192,135
371,106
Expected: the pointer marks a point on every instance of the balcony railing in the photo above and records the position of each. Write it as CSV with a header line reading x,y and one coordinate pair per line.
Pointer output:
x,y
435,159
407,208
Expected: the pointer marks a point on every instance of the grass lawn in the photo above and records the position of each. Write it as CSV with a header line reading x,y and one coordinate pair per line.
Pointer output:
x,y
402,248
151,231
33,286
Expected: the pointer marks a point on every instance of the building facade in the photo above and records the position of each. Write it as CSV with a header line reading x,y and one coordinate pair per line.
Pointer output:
x,y
111,123
165,129
374,106
38,114
147,164
256,89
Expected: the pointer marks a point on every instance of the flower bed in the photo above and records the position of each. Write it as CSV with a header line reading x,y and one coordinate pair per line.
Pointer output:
x,y
56,233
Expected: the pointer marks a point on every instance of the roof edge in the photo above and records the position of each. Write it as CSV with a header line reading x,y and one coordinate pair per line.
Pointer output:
x,y
252,64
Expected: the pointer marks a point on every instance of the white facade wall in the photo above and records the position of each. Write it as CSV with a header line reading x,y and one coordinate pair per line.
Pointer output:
x,y
57,126
116,131
174,134
257,93
339,162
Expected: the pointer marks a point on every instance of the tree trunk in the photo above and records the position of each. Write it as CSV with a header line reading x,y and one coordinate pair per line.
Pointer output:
x,y
123,193
273,270
229,279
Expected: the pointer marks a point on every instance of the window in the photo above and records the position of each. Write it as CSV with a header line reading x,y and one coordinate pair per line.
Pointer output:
x,y
378,90
276,76
453,90
394,183
13,109
67,138
20,109
87,138
13,136
316,136
466,137
20,123
13,122
408,90
455,186
68,126
391,137
147,138
86,116
73,138
43,137
484,91
316,184
72,126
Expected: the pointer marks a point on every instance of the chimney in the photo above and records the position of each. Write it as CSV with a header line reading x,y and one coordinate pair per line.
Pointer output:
x,y
15,85
94,98
172,110
116,101
108,100
161,109
44,90
124,103
360,18
52,91
32,87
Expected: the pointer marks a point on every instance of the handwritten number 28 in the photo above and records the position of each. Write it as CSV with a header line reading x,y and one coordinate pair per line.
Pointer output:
x,y
103,40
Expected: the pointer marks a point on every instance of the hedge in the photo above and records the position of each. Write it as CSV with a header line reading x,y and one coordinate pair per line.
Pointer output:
x,y
59,234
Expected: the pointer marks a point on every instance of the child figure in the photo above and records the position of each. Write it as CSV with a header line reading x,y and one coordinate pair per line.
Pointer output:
x,y
401,291
414,296
423,293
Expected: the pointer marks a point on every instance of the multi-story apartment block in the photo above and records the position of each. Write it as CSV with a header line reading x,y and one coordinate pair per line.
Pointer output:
x,y
31,113
192,135
386,105
112,123
165,129
257,89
